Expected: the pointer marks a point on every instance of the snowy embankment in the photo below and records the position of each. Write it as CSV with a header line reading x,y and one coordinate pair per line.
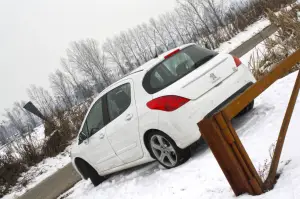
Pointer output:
x,y
38,173
41,171
201,176
240,38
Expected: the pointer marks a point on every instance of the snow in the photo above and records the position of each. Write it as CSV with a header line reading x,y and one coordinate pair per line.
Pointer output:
x,y
240,38
38,173
37,136
201,176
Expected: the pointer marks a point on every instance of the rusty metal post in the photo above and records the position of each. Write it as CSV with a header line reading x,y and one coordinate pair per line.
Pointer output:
x,y
282,134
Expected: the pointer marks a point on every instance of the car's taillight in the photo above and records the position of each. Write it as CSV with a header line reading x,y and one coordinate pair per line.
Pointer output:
x,y
167,103
237,61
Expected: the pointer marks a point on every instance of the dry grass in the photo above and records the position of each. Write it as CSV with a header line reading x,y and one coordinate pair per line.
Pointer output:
x,y
263,170
20,157
279,46
10,169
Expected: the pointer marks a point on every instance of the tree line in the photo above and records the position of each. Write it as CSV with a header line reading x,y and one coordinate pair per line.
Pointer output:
x,y
88,68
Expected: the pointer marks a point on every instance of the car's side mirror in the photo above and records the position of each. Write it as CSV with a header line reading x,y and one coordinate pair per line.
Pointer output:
x,y
83,137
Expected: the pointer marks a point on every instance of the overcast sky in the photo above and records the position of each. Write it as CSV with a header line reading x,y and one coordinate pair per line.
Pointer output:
x,y
35,33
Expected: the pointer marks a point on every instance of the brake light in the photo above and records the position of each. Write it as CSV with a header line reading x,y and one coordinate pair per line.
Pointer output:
x,y
172,53
237,61
167,103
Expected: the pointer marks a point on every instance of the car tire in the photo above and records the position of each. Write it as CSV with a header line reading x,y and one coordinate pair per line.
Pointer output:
x,y
165,150
248,108
95,178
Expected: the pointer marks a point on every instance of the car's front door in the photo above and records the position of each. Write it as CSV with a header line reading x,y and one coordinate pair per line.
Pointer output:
x,y
94,142
122,130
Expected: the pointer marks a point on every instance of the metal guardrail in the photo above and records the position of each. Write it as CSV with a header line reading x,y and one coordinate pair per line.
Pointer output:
x,y
226,146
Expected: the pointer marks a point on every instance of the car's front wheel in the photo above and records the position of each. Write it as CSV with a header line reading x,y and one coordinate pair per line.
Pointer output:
x,y
165,151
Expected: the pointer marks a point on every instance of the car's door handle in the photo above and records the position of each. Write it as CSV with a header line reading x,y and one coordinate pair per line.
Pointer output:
x,y
101,136
128,116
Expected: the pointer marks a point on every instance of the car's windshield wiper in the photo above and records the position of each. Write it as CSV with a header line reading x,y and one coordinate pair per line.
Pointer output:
x,y
203,60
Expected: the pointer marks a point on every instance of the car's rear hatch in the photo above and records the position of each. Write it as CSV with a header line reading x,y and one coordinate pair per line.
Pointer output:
x,y
212,70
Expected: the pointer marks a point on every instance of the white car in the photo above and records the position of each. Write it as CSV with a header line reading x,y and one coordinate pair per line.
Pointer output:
x,y
152,113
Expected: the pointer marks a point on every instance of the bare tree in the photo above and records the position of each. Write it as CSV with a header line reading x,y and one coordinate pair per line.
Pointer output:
x,y
15,119
174,21
62,88
189,22
30,119
139,44
150,35
4,136
43,100
121,46
130,46
79,88
146,38
167,28
97,58
216,10
88,60
114,55
160,33
192,6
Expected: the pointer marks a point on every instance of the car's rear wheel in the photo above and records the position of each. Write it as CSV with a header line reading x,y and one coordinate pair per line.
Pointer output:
x,y
165,151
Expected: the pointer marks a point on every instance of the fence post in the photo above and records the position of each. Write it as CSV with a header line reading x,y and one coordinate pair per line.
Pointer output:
x,y
281,137
227,159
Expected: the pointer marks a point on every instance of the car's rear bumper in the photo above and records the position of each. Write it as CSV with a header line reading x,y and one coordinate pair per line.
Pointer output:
x,y
223,104
183,122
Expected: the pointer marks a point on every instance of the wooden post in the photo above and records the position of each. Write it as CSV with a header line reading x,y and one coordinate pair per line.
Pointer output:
x,y
226,158
225,144
282,134
226,150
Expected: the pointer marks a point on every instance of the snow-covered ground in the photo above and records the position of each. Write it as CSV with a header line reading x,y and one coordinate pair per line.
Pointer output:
x,y
38,173
240,38
201,176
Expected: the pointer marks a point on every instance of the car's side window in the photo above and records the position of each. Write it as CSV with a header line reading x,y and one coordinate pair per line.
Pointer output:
x,y
94,121
118,100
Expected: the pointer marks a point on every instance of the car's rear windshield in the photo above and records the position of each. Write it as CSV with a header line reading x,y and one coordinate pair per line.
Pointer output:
x,y
176,67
